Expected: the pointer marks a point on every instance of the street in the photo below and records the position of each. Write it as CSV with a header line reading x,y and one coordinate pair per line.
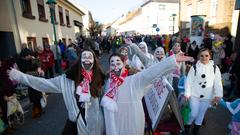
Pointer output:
x,y
53,120
50,123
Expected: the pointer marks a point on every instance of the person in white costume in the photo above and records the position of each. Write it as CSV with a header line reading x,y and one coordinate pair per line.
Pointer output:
x,y
203,87
159,53
136,62
81,88
122,101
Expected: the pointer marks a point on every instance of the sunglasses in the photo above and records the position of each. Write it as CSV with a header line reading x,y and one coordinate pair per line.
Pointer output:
x,y
204,55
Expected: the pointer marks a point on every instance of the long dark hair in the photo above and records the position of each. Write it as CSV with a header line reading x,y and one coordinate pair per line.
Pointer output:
x,y
74,73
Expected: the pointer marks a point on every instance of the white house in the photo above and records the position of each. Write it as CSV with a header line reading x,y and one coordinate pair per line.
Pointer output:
x,y
153,17
28,21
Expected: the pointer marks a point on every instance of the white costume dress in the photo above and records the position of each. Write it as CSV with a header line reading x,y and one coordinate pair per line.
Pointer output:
x,y
130,119
61,84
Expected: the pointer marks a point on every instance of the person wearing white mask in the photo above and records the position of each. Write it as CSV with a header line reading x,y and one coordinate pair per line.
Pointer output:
x,y
159,53
81,87
122,100
136,62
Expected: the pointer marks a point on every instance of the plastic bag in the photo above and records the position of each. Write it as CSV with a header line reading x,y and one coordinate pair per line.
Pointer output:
x,y
185,112
43,100
13,106
2,126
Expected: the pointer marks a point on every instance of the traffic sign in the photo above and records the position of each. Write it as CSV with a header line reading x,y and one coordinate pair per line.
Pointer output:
x,y
157,29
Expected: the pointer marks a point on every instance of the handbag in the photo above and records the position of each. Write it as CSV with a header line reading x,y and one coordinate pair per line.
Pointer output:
x,y
185,112
70,127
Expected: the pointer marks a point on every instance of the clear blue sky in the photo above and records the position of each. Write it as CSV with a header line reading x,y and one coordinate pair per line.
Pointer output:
x,y
106,11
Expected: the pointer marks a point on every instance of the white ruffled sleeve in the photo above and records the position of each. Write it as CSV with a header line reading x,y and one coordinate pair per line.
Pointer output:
x,y
41,84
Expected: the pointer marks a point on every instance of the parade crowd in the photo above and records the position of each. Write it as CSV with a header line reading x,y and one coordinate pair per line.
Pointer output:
x,y
202,76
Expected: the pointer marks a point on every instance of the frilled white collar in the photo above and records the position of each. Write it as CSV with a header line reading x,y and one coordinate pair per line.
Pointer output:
x,y
200,64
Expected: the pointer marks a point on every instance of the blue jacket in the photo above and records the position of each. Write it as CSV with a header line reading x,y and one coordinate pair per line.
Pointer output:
x,y
181,84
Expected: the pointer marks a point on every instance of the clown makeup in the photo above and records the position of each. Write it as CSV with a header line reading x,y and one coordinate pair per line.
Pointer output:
x,y
124,51
87,60
116,65
143,48
159,53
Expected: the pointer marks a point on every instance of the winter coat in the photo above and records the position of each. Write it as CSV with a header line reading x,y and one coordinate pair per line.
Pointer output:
x,y
48,59
7,86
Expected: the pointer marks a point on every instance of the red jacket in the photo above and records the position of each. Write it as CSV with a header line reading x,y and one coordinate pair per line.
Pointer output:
x,y
47,58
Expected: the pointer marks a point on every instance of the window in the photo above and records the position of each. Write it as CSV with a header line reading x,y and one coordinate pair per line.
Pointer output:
x,y
54,17
26,9
45,41
41,10
161,7
170,28
213,10
60,11
67,18
55,20
170,18
31,43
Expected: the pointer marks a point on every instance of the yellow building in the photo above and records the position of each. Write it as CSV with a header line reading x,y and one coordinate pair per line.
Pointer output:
x,y
218,14
28,21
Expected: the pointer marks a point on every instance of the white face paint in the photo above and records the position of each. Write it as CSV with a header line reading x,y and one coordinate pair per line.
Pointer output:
x,y
116,65
159,53
87,60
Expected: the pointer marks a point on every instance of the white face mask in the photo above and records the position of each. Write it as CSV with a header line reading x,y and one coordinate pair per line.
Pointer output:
x,y
116,65
87,60
124,51
159,53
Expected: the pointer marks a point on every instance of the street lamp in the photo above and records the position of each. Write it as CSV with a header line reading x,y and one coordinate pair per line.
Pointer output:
x,y
173,16
51,4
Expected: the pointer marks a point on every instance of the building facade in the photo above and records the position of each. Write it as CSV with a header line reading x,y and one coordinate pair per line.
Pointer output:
x,y
160,15
28,21
218,15
153,17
